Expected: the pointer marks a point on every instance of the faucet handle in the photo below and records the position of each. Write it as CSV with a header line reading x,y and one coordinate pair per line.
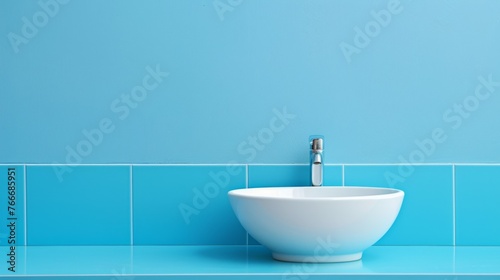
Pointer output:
x,y
316,143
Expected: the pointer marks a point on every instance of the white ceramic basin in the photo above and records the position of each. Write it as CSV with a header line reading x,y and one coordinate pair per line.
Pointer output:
x,y
316,224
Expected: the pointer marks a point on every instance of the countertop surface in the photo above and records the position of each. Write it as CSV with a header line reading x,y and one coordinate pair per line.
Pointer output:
x,y
245,262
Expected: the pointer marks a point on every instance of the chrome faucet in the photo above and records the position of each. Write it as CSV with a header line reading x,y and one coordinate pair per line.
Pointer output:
x,y
316,161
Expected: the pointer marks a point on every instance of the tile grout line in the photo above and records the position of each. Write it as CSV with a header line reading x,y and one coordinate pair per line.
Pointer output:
x,y
244,274
454,205
240,274
25,207
246,187
131,185
246,176
343,175
260,164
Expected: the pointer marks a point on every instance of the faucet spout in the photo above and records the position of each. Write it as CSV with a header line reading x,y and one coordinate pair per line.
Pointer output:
x,y
316,160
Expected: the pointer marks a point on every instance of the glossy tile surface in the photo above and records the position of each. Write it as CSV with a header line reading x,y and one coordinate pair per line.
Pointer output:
x,y
12,204
278,175
413,262
371,75
90,206
426,216
480,260
186,205
477,204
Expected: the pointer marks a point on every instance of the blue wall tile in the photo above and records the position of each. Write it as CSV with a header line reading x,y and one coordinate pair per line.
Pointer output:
x,y
426,216
332,175
229,72
278,175
90,206
275,77
12,182
477,205
186,205
290,175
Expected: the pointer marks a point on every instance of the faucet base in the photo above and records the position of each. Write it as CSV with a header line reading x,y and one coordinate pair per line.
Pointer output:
x,y
317,258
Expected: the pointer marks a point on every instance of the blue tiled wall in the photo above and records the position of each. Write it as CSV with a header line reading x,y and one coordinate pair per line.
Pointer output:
x,y
128,81
90,206
478,210
188,204
128,121
182,205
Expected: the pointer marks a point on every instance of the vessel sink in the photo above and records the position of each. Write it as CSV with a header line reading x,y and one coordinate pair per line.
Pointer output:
x,y
316,224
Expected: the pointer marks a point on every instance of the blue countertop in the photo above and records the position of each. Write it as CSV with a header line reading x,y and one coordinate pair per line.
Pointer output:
x,y
245,262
